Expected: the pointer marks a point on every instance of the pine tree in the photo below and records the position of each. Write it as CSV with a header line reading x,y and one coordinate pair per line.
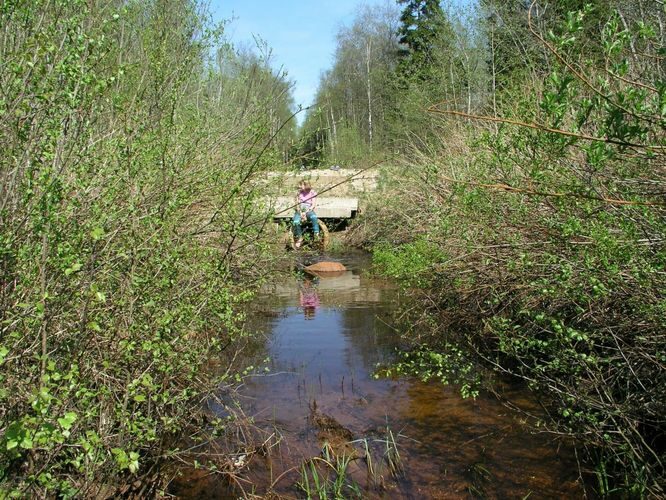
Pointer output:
x,y
425,35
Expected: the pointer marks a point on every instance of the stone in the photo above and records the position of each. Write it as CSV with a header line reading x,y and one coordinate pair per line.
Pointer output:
x,y
326,267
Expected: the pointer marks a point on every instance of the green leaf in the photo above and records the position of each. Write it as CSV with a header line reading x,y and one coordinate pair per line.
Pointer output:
x,y
75,267
134,462
68,420
97,233
121,457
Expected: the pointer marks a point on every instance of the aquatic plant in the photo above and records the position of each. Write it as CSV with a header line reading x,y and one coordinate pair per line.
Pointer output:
x,y
317,483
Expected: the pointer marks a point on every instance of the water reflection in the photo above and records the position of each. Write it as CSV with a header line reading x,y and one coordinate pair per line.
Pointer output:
x,y
325,337
308,296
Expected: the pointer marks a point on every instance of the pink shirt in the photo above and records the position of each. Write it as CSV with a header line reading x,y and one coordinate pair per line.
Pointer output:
x,y
309,298
307,198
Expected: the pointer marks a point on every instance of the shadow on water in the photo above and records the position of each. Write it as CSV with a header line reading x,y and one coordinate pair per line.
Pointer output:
x,y
402,438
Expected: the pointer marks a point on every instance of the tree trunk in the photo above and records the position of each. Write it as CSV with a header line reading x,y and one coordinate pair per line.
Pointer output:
x,y
368,49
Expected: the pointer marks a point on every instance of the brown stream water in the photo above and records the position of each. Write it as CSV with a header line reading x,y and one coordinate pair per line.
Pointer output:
x,y
324,337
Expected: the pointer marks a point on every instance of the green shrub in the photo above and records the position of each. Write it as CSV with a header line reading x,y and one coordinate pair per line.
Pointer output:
x,y
123,208
554,242
413,264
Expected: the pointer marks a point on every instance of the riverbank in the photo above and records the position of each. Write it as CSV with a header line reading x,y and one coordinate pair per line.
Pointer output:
x,y
564,297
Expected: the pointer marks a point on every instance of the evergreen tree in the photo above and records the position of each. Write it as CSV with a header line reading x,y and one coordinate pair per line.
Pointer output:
x,y
425,34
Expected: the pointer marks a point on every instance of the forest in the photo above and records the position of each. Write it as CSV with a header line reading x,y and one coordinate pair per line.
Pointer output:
x,y
522,151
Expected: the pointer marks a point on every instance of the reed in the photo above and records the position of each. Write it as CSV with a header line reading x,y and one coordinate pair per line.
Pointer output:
x,y
326,476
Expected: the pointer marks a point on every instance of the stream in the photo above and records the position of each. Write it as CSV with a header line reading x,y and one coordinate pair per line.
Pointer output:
x,y
395,437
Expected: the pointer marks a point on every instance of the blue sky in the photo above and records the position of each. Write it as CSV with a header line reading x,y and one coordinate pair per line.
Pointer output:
x,y
301,34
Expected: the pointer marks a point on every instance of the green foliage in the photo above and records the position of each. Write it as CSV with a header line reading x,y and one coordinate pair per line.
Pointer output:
x,y
316,480
413,264
425,35
445,365
126,198
389,68
554,239
347,122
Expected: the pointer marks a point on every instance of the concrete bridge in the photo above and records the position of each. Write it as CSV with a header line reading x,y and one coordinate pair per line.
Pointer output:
x,y
339,191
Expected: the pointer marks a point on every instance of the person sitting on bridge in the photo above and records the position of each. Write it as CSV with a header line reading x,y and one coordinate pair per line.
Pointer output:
x,y
306,201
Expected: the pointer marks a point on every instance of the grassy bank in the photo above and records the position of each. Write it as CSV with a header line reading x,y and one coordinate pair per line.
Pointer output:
x,y
541,236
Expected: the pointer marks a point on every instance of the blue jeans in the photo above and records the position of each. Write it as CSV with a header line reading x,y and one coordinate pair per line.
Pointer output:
x,y
298,229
